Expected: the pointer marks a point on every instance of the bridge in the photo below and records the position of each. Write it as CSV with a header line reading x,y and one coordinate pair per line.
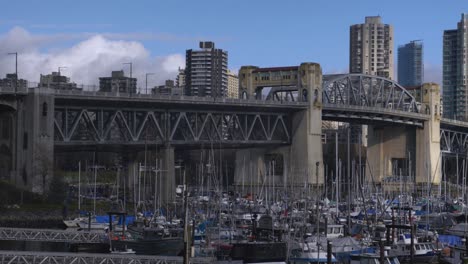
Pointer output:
x,y
280,112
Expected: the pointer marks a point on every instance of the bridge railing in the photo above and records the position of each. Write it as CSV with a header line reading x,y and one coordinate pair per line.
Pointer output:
x,y
455,122
373,109
162,97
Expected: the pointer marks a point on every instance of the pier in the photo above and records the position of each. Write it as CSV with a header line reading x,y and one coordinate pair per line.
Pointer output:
x,y
50,235
31,257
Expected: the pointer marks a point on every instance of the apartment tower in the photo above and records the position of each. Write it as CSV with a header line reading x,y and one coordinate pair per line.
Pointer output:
x,y
371,48
455,71
206,71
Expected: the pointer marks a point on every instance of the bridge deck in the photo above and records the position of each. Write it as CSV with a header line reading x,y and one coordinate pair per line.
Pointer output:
x,y
366,114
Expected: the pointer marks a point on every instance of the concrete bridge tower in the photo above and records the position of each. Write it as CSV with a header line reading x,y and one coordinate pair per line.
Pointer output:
x,y
428,158
303,158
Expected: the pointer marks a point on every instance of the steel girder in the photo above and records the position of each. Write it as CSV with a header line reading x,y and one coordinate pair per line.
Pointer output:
x,y
140,126
367,91
453,142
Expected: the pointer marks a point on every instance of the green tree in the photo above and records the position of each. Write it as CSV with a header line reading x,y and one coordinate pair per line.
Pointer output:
x,y
57,190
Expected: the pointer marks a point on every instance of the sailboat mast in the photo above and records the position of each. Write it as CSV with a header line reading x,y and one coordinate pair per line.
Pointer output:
x,y
336,170
79,185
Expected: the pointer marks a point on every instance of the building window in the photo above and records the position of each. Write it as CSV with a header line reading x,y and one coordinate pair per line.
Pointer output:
x,y
25,140
44,109
5,129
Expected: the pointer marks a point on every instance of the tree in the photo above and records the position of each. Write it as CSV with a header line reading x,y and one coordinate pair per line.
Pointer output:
x,y
57,190
43,165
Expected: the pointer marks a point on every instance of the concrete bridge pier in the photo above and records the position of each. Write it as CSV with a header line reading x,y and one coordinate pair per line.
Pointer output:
x,y
306,153
160,168
34,140
389,151
408,153
429,158
257,167
7,139
303,158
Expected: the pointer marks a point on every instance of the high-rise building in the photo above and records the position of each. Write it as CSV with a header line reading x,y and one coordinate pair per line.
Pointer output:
x,y
233,85
410,64
180,80
371,48
9,82
118,83
57,81
206,71
169,88
455,71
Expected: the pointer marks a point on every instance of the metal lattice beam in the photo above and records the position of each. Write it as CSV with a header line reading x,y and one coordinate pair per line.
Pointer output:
x,y
453,142
137,126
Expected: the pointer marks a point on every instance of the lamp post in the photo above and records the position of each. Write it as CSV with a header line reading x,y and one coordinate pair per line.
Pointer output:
x,y
16,68
146,82
131,69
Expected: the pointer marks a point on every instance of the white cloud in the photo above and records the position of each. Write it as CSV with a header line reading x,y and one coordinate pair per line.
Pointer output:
x,y
86,61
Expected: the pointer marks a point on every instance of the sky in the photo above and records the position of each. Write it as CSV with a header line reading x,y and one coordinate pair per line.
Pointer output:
x,y
92,38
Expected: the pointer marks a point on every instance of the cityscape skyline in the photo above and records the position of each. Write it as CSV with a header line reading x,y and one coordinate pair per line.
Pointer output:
x,y
156,43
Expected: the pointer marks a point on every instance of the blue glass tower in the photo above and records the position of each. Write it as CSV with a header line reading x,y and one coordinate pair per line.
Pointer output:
x,y
410,64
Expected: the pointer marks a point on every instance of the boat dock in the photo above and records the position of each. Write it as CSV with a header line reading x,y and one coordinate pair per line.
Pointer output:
x,y
31,257
50,235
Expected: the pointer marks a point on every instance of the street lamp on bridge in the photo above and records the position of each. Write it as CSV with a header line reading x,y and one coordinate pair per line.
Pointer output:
x,y
129,82
146,83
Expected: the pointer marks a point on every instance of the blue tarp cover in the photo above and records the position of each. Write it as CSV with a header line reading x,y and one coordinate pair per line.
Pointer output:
x,y
450,240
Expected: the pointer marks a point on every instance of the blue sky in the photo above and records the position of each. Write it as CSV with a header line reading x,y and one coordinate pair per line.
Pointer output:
x,y
262,33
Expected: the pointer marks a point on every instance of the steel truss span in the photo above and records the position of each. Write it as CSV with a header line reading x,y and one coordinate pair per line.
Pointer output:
x,y
89,126
453,142
367,91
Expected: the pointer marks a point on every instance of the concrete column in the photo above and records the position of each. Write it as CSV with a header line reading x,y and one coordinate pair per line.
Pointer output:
x,y
249,165
168,174
251,168
306,145
375,154
428,158
246,82
386,143
35,140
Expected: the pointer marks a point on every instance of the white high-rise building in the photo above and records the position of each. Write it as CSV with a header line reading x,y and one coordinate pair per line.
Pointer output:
x,y
233,85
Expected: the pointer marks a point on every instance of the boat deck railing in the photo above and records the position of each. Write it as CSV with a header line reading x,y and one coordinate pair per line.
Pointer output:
x,y
51,235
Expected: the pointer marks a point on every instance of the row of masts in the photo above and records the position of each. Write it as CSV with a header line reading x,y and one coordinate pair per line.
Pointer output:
x,y
346,179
